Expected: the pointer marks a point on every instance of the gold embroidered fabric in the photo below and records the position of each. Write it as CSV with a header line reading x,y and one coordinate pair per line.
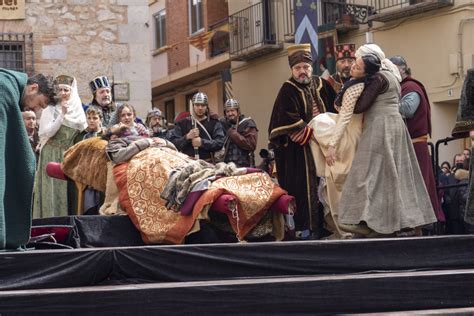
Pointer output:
x,y
145,181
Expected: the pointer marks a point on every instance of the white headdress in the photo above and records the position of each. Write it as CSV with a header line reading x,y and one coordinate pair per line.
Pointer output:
x,y
386,64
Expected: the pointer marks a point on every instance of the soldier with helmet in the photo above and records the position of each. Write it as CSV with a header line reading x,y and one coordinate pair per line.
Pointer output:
x,y
241,135
155,123
199,135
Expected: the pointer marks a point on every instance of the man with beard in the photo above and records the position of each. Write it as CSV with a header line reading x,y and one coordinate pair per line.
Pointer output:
x,y
345,58
301,98
154,122
415,108
198,135
102,92
17,160
241,137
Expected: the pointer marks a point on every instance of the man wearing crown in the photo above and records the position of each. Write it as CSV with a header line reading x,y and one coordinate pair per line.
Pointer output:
x,y
301,98
102,97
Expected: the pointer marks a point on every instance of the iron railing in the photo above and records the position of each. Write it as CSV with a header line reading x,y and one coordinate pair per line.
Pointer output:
x,y
334,11
386,10
254,26
289,19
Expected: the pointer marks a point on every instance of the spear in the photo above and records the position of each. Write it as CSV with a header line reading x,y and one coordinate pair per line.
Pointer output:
x,y
193,122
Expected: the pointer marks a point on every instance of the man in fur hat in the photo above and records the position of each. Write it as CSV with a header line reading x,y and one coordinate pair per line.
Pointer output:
x,y
302,97
345,58
199,135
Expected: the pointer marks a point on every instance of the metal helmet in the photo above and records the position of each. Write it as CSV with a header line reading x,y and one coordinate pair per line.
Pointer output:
x,y
200,98
231,104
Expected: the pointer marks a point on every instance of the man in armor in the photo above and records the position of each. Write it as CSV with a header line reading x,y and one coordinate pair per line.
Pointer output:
x,y
200,134
241,135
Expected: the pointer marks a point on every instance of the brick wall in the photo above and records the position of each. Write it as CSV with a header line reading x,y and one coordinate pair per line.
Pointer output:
x,y
178,33
216,11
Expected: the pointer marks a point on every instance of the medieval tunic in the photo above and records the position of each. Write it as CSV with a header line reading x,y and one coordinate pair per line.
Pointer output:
x,y
17,164
382,188
241,141
296,171
212,138
419,127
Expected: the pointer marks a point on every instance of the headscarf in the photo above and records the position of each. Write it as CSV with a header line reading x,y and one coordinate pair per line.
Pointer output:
x,y
386,64
75,116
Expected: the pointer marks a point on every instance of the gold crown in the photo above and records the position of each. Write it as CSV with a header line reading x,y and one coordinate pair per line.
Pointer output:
x,y
299,47
63,79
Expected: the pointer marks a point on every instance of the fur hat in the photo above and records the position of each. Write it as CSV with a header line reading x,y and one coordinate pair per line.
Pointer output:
x,y
299,53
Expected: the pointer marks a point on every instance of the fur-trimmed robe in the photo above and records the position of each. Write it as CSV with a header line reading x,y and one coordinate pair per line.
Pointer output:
x,y
295,165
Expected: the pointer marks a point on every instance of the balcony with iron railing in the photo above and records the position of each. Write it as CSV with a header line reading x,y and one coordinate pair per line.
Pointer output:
x,y
254,31
388,10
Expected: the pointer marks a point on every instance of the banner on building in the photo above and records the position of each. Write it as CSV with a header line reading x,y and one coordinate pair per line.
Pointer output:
x,y
12,9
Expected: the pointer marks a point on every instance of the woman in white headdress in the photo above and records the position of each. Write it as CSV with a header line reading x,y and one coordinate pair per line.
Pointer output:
x,y
384,192
58,126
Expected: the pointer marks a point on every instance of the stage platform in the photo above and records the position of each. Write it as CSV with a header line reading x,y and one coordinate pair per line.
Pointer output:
x,y
299,277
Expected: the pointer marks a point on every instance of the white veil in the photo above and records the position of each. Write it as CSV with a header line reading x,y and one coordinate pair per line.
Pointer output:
x,y
386,64
75,116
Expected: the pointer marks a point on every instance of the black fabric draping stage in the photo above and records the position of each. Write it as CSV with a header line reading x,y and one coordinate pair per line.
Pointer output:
x,y
348,276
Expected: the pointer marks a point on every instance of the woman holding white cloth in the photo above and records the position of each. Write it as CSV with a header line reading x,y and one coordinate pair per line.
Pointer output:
x,y
337,136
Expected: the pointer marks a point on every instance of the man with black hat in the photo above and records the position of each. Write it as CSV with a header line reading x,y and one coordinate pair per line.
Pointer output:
x,y
415,108
345,58
301,98
241,137
102,92
199,135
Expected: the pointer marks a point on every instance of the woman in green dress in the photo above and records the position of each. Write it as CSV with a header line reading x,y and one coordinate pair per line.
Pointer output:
x,y
58,125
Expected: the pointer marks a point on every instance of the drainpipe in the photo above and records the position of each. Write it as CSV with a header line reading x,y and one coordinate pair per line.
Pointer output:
x,y
460,34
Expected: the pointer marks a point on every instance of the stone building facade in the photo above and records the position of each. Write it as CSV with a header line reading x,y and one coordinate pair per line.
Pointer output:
x,y
86,38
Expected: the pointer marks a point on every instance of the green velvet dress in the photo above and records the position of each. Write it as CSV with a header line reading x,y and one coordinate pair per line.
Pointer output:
x,y
50,195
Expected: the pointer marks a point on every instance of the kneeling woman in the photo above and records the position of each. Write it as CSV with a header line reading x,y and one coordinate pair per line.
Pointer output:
x,y
384,193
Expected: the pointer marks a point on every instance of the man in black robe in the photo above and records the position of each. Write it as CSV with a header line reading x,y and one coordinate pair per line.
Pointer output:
x,y
301,98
